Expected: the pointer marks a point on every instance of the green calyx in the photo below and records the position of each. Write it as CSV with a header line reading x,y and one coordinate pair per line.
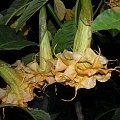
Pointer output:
x,y
11,78
83,35
9,75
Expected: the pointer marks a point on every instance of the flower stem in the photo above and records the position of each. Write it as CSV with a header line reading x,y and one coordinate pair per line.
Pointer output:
x,y
83,35
54,15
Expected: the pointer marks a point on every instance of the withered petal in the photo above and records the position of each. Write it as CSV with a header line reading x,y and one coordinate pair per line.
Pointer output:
x,y
103,78
88,82
70,72
60,66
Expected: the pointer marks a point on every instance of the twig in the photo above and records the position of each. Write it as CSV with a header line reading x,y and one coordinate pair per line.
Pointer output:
x,y
78,109
100,4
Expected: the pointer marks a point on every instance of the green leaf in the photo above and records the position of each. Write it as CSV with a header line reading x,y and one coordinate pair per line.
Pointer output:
x,y
16,8
51,27
34,6
117,114
36,114
39,114
114,32
28,58
9,40
64,37
109,19
7,15
60,9
19,3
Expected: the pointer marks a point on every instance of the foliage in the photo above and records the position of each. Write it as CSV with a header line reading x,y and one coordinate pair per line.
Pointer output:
x,y
109,19
9,40
47,105
59,9
68,31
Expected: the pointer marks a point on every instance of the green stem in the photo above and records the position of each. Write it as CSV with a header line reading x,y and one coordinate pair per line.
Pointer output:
x,y
83,35
44,43
76,12
54,15
97,9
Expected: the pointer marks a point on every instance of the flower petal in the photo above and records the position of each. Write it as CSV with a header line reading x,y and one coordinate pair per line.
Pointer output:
x,y
103,78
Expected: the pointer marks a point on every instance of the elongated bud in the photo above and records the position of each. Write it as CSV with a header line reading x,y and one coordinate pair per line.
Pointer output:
x,y
45,49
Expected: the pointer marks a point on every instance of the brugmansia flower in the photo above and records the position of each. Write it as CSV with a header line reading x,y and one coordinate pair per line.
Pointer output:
x,y
21,82
76,69
17,91
114,4
81,70
33,74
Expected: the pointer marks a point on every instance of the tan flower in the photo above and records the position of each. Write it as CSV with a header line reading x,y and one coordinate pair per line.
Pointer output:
x,y
28,77
81,70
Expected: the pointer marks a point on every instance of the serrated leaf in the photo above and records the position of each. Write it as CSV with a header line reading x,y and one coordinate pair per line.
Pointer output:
x,y
59,8
64,37
34,6
109,19
9,40
39,114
